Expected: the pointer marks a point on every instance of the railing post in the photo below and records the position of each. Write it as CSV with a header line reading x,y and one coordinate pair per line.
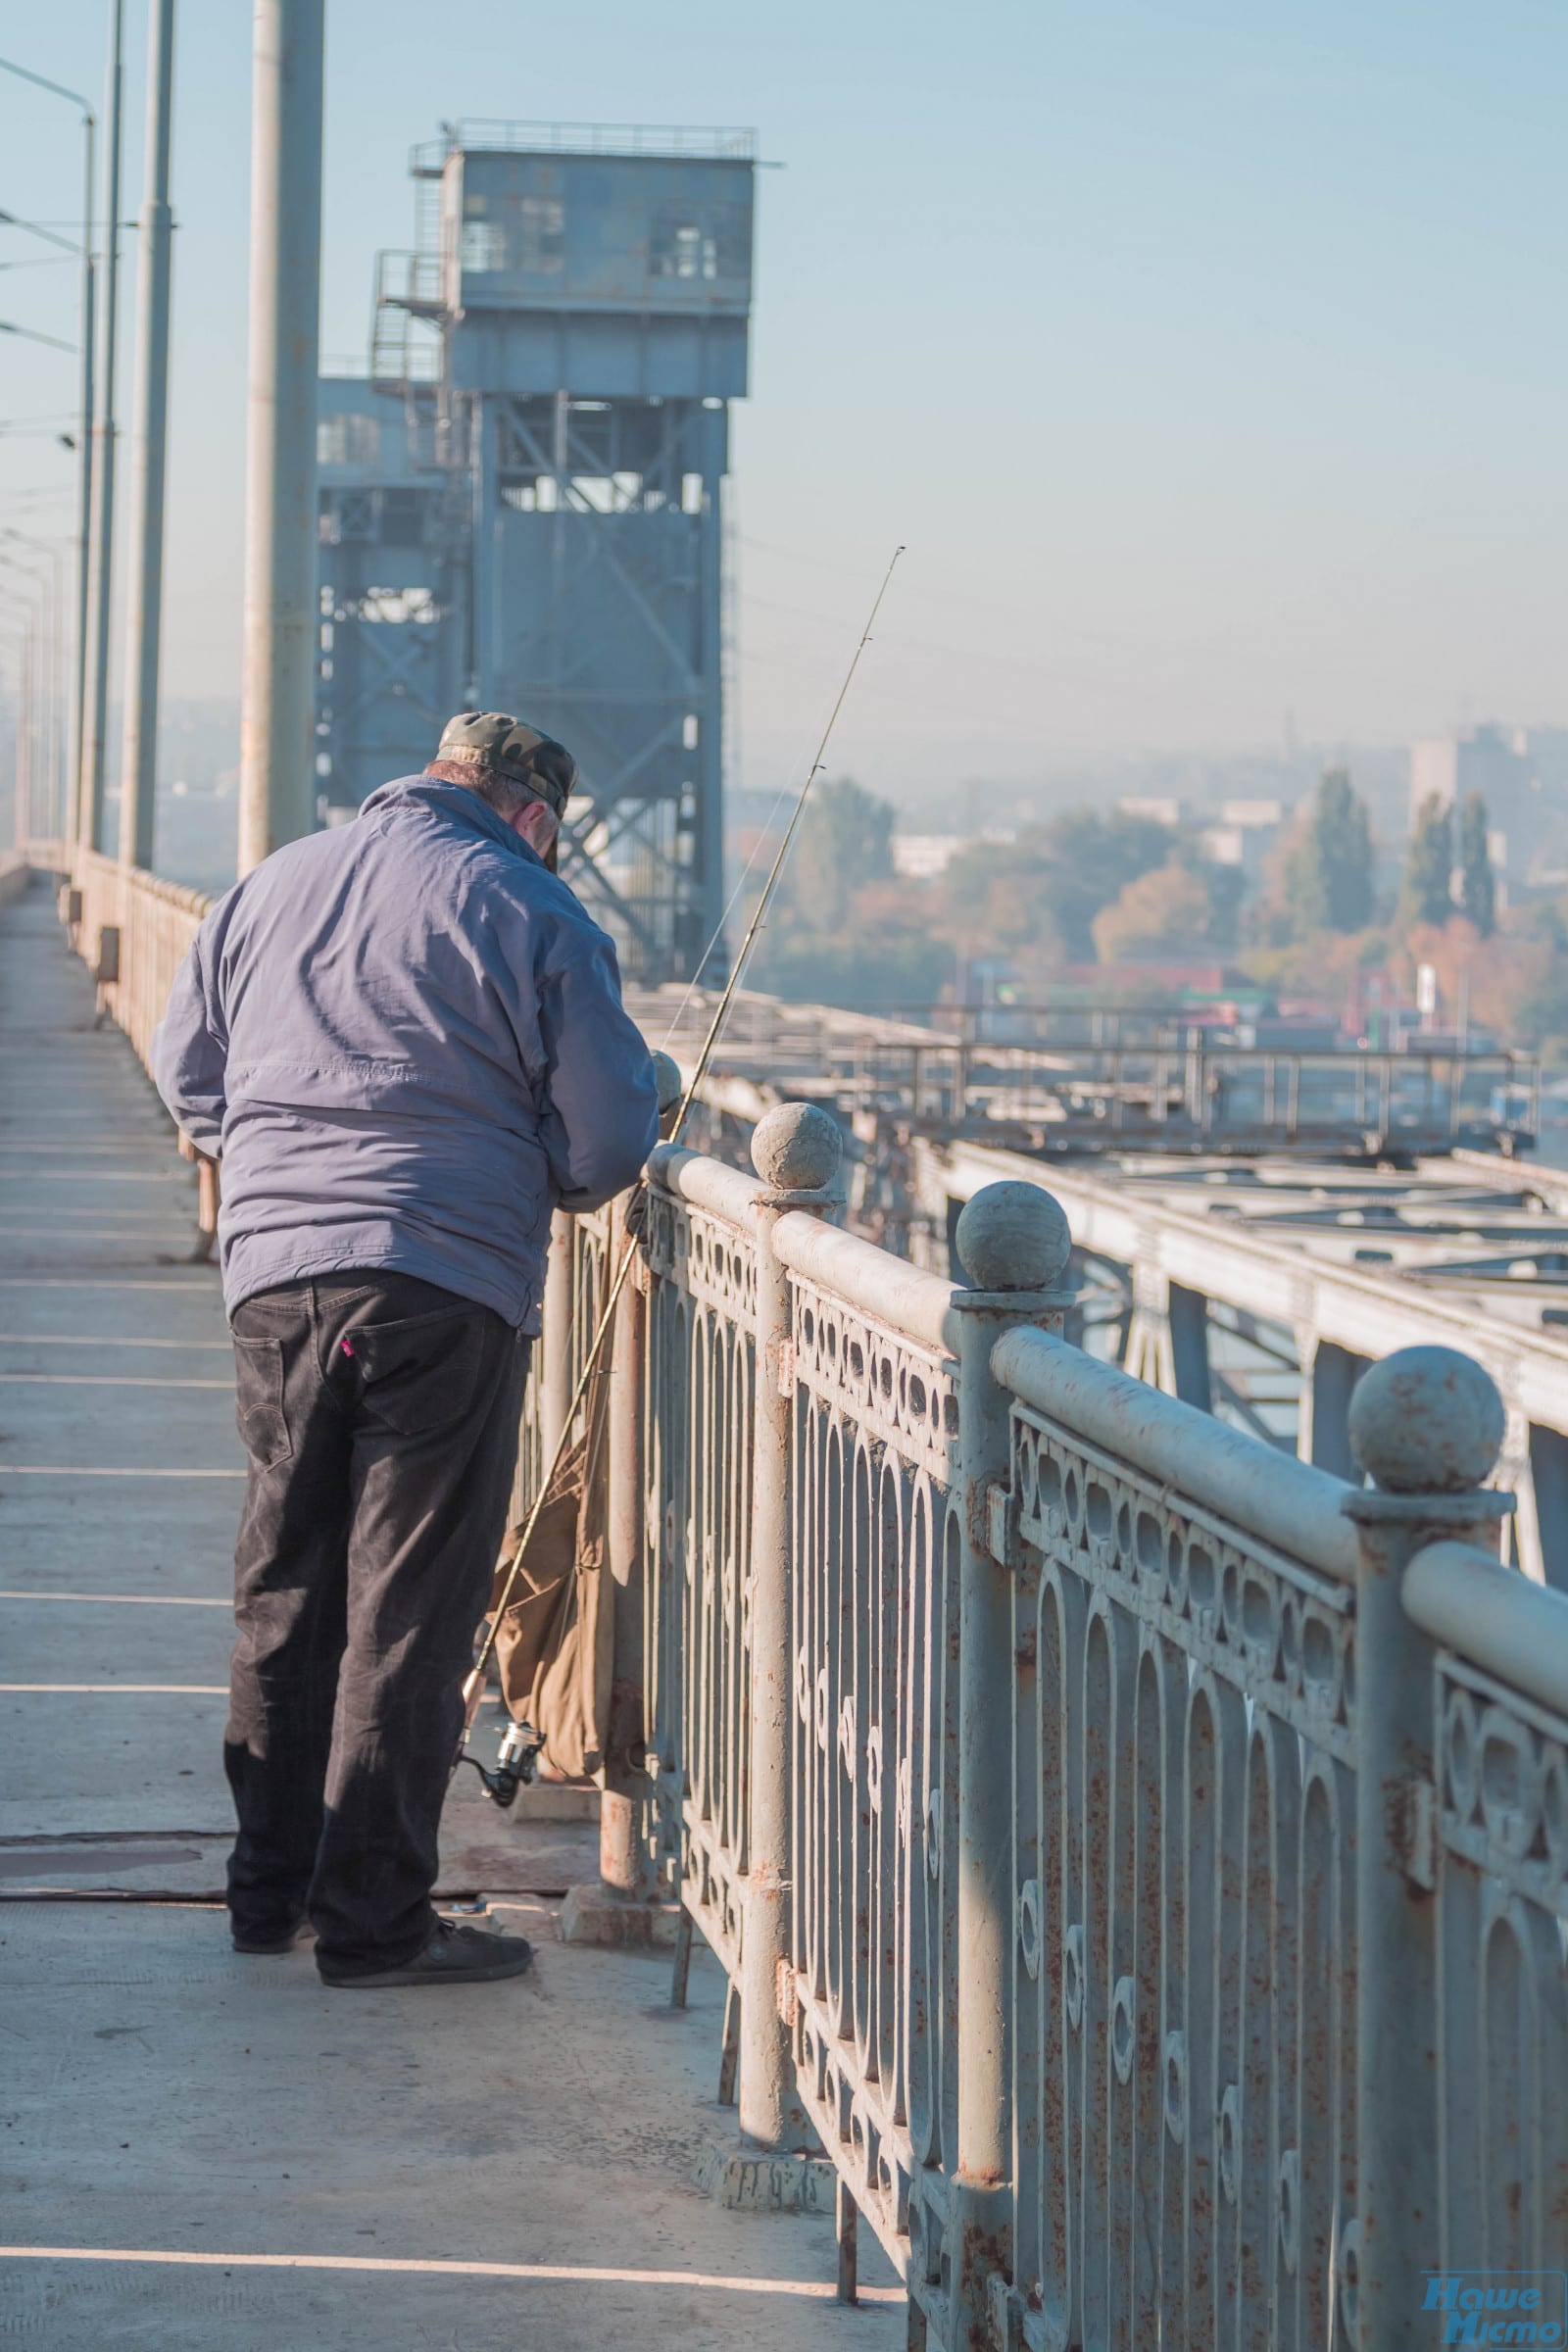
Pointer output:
x,y
1426,1424
626,1866
555,1368
1013,1245
795,1150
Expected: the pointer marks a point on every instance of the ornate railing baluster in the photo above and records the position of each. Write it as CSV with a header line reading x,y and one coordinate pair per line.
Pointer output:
x,y
1104,1828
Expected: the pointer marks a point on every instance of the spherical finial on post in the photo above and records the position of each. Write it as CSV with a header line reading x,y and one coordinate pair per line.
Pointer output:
x,y
797,1148
1427,1421
1013,1237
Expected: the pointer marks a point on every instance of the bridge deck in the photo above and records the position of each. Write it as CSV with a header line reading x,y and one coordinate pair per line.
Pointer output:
x,y
183,2124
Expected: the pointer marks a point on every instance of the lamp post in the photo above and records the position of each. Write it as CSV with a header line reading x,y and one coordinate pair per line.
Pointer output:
x,y
277,770
138,764
44,622
56,744
84,451
96,716
28,621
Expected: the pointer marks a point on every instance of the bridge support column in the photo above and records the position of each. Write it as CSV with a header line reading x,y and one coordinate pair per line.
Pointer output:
x,y
1014,1246
1329,1374
1426,1424
1167,1337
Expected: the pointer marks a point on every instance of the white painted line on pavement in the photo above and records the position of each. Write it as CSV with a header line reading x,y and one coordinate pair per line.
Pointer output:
x,y
86,1470
169,1231
97,1339
105,1380
814,2290
139,1690
122,1213
108,1282
88,1175
125,1600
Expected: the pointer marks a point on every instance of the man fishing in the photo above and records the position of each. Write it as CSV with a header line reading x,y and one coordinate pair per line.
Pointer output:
x,y
404,1039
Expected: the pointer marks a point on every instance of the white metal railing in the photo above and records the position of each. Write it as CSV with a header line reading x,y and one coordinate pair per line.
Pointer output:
x,y
1494,1850
701,1371
133,930
1183,1847
1102,1819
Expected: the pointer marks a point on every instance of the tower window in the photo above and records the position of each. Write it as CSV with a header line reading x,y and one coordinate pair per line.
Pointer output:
x,y
682,248
485,245
540,223
346,439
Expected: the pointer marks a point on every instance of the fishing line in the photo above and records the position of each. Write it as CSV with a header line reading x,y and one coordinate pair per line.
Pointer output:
x,y
781,800
474,1688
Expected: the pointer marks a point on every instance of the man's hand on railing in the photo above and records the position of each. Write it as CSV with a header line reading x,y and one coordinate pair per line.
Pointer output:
x,y
635,1214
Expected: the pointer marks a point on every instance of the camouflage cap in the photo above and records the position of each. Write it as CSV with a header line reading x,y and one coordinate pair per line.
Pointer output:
x,y
494,739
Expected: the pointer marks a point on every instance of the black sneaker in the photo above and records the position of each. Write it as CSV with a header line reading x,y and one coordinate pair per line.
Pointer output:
x,y
454,1955
267,1939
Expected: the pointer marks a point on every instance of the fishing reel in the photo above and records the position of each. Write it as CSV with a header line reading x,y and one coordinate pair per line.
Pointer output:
x,y
519,1750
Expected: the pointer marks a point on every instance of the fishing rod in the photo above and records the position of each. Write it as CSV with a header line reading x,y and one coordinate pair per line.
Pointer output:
x,y
522,1743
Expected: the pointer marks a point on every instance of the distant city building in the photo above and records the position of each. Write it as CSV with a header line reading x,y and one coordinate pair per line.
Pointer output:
x,y
1522,774
925,856
1156,810
1245,836
1253,816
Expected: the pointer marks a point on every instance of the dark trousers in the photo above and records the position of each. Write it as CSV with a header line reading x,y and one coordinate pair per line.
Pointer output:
x,y
380,1416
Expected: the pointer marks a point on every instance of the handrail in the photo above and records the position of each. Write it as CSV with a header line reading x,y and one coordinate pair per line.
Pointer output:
x,y
705,1183
916,1303
1494,1617
1287,1503
141,881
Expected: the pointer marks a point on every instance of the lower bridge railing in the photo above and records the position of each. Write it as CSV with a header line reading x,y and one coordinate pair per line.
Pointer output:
x,y
1140,1859
132,930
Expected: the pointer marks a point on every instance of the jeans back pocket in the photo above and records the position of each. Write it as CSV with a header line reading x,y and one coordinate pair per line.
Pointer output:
x,y
258,1412
418,1377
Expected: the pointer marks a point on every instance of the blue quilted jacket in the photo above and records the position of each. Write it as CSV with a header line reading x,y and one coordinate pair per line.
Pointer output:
x,y
404,1039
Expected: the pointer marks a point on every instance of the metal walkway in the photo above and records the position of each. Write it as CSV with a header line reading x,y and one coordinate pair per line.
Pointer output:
x,y
218,2151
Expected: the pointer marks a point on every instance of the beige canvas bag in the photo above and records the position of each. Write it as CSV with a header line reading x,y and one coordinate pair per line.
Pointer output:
x,y
555,1643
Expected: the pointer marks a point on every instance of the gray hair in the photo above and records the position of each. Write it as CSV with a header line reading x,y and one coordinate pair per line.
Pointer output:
x,y
503,794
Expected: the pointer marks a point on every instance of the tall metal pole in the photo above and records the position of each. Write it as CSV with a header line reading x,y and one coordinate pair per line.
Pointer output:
x,y
84,454
97,713
277,770
25,765
48,812
75,788
139,766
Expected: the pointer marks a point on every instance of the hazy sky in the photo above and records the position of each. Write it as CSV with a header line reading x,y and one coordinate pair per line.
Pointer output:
x,y
1210,359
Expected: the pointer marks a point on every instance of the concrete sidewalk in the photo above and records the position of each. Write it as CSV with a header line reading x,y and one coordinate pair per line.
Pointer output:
x,y
181,2129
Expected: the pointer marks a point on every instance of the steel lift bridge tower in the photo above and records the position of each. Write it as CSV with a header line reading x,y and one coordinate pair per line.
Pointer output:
x,y
520,506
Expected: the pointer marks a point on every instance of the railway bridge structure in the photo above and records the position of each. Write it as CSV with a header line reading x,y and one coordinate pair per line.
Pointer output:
x,y
1120,1822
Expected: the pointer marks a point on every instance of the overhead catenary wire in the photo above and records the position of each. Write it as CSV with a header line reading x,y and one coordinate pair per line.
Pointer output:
x,y
473,1688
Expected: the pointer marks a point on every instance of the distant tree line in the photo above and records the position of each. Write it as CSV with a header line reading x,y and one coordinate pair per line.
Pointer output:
x,y
1116,888
1083,886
